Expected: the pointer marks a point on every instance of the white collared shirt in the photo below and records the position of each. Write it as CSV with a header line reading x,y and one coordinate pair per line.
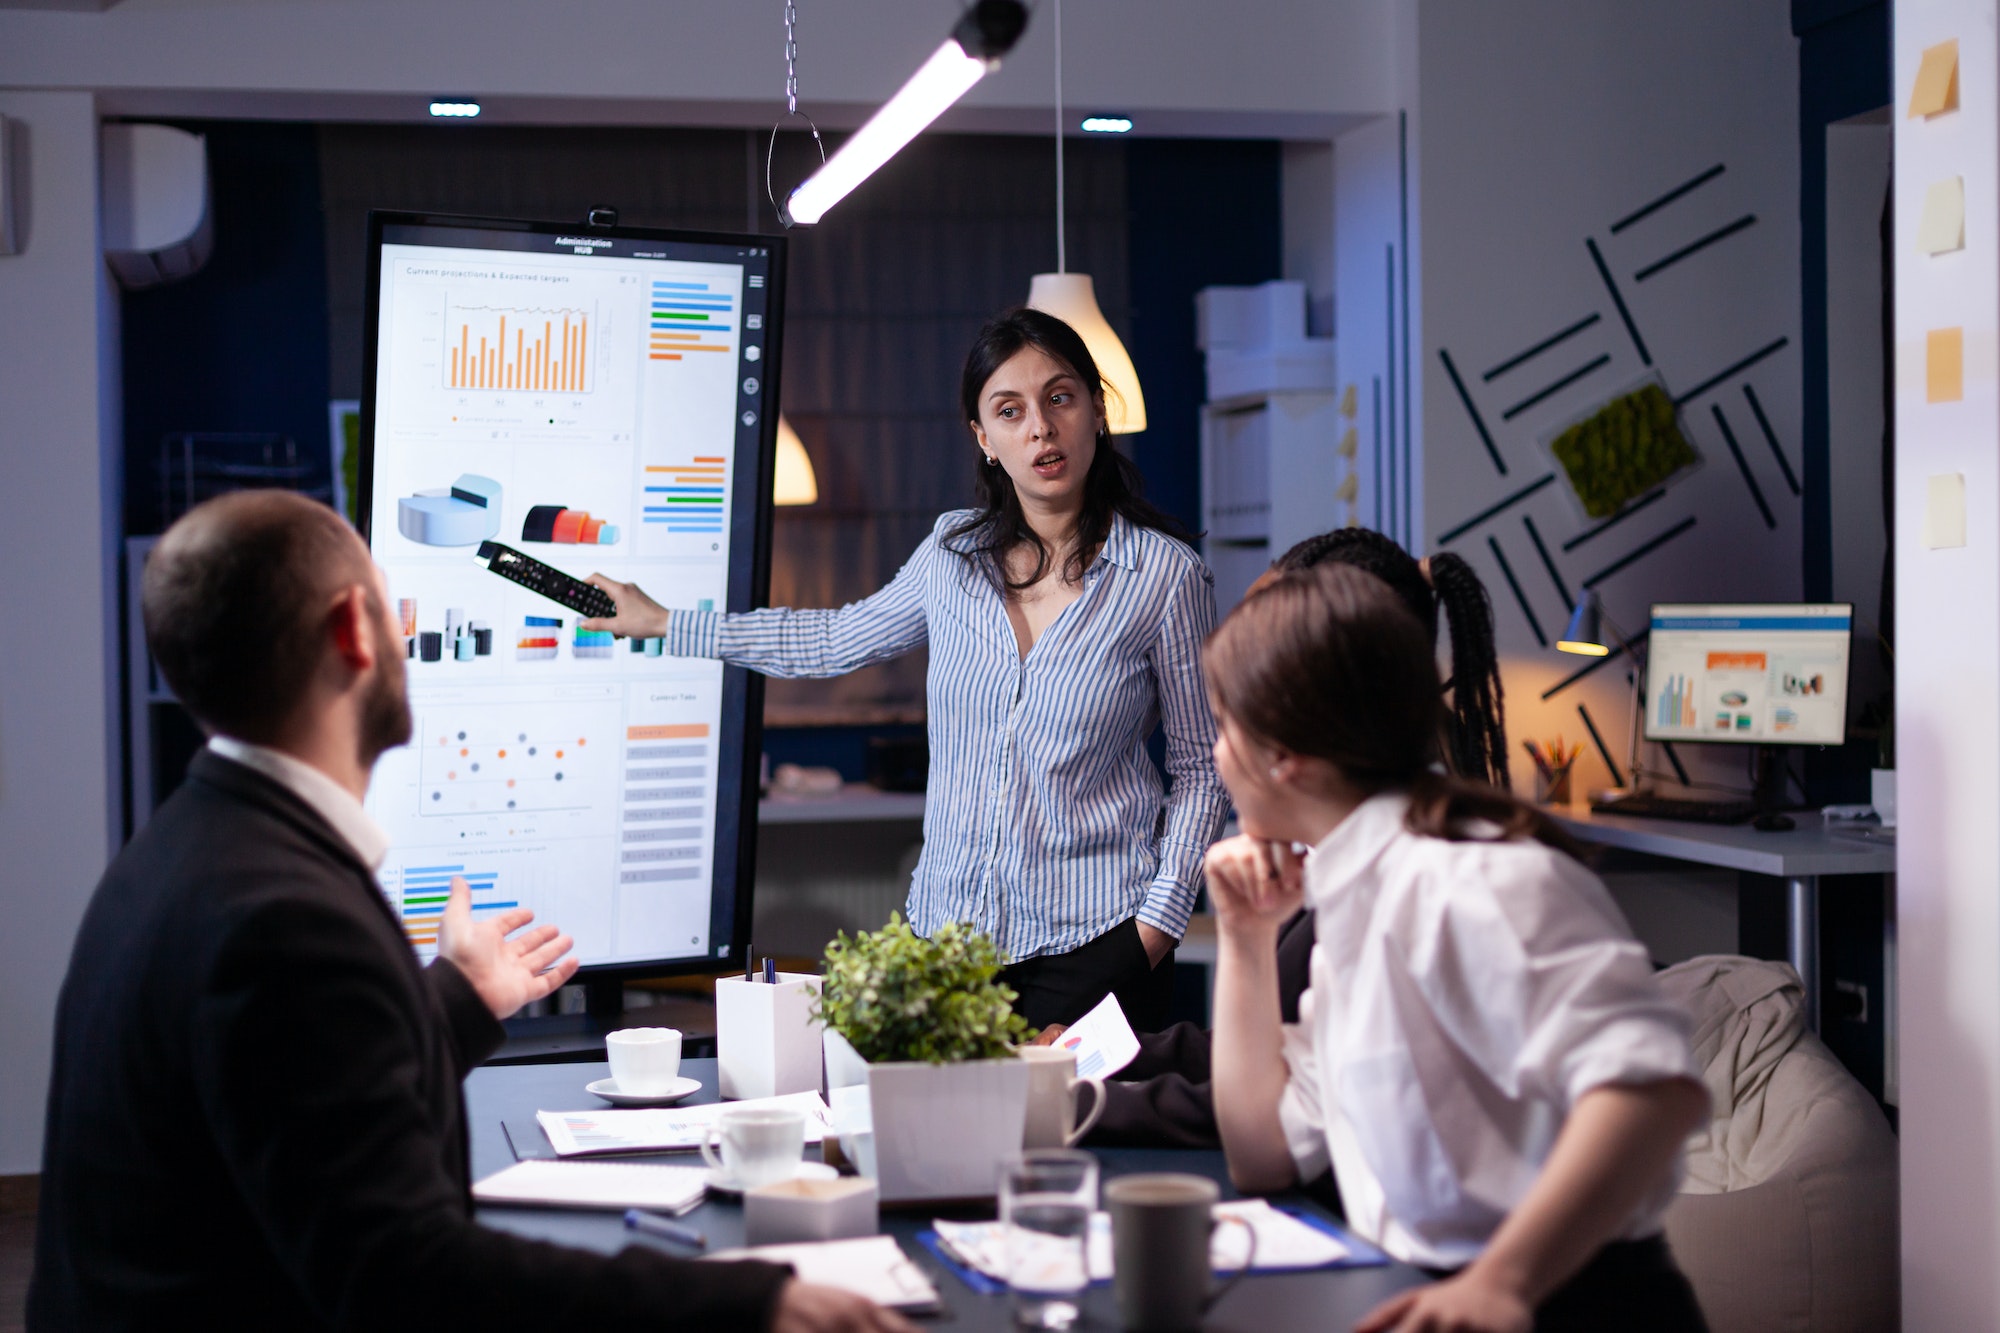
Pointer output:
x,y
328,799
1464,995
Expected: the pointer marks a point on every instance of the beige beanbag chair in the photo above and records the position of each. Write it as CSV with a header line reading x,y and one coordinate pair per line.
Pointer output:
x,y
1787,1220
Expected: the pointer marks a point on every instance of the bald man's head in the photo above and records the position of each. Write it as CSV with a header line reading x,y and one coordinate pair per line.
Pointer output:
x,y
236,599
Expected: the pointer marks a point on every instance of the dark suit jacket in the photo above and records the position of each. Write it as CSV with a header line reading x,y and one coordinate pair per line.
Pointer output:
x,y
256,1120
1163,1098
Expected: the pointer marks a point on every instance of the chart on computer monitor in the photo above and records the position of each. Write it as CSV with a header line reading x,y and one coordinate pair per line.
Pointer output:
x,y
512,343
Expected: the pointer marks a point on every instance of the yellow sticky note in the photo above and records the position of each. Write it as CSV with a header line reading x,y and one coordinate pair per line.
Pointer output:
x,y
1936,88
1350,443
1350,403
1944,365
1942,228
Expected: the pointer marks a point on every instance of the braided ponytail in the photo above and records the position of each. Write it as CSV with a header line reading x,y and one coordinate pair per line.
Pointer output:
x,y
1478,734
1475,733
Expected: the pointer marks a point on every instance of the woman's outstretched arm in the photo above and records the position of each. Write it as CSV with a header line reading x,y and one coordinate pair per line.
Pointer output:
x,y
780,641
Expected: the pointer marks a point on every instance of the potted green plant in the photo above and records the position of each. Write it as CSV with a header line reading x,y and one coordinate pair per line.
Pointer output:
x,y
925,1026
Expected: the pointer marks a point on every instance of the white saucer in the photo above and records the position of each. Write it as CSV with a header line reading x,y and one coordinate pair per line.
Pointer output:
x,y
721,1184
607,1088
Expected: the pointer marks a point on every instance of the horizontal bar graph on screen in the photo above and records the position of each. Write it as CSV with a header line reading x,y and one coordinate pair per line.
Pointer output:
x,y
424,890
680,312
666,785
687,497
530,349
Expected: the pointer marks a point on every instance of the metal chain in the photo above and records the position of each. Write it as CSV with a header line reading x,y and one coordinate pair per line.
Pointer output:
x,y
791,58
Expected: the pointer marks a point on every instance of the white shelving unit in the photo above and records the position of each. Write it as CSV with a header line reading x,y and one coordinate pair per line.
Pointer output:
x,y
1278,456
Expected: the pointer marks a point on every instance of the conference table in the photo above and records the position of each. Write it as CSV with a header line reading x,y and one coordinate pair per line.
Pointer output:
x,y
503,1099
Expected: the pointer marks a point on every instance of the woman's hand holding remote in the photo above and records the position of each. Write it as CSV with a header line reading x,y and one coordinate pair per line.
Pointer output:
x,y
639,616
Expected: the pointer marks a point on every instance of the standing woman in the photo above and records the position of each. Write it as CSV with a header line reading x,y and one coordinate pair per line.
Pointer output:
x,y
1065,619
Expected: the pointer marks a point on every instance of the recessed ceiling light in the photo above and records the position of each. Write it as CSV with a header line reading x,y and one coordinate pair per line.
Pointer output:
x,y
1107,124
456,109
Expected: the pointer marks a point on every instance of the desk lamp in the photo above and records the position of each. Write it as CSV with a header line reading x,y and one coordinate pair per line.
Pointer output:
x,y
1585,636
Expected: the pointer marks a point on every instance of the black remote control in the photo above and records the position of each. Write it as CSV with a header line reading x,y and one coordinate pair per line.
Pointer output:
x,y
547,580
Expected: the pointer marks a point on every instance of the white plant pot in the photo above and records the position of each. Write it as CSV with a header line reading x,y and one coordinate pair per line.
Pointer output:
x,y
936,1131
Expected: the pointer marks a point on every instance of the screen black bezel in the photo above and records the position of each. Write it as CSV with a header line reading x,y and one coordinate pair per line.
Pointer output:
x,y
732,888
1646,681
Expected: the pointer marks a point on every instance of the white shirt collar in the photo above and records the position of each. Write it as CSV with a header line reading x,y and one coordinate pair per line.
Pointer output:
x,y
327,798
1354,843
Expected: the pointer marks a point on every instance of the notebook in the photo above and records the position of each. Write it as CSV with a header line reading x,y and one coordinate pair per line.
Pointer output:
x,y
871,1266
611,1185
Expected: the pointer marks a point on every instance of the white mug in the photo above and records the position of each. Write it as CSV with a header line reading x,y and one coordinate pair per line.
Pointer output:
x,y
755,1146
644,1061
1052,1085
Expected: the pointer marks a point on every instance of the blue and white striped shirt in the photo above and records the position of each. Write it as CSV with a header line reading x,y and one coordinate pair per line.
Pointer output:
x,y
1046,823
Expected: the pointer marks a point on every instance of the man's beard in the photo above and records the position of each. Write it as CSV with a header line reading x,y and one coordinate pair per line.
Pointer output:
x,y
385,713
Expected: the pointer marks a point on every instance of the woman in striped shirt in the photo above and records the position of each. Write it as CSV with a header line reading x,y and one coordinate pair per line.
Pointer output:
x,y
1065,618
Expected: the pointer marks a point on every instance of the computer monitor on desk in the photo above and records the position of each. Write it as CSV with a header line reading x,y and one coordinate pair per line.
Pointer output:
x,y
1764,674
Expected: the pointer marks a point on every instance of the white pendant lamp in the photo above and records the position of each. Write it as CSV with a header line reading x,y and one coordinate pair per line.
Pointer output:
x,y
792,480
1072,298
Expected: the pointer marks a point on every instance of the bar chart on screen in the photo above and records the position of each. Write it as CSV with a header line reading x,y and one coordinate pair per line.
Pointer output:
x,y
521,348
421,891
690,496
690,318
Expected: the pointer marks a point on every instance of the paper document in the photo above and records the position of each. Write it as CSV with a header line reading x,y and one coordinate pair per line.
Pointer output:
x,y
577,1133
1283,1242
1942,227
871,1266
615,1185
1102,1040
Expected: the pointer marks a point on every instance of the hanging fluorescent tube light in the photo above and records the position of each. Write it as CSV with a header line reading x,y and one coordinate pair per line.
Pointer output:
x,y
986,33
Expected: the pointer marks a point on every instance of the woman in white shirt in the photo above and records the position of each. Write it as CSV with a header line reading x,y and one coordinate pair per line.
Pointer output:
x,y
1482,1056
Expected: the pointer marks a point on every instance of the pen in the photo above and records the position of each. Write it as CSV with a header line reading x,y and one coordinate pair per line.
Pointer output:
x,y
652,1224
770,971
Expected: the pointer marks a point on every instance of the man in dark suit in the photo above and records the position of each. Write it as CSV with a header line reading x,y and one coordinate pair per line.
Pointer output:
x,y
255,1118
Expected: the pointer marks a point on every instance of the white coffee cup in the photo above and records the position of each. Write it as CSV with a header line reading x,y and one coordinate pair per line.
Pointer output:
x,y
754,1146
1052,1083
644,1061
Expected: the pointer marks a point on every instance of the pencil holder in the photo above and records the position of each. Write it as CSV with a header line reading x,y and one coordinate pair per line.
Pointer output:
x,y
1553,788
767,1042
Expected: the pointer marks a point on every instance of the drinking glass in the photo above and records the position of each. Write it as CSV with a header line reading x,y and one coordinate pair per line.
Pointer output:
x,y
1046,1199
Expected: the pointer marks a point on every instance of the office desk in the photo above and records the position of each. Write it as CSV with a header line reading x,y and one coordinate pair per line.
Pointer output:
x,y
1263,1303
1801,857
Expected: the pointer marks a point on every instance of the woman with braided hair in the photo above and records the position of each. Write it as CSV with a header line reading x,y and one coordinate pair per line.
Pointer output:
x,y
1475,740
1163,1097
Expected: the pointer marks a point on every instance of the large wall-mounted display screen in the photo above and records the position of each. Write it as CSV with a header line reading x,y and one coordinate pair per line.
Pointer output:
x,y
1758,674
603,401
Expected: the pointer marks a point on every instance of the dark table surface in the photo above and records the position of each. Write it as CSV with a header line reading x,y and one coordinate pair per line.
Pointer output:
x,y
1326,1301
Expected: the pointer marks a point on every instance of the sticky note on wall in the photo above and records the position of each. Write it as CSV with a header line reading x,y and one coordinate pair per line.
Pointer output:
x,y
1944,511
1942,227
1936,88
1944,365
